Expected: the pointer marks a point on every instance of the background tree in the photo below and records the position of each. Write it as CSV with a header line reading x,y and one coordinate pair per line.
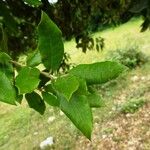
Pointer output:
x,y
74,18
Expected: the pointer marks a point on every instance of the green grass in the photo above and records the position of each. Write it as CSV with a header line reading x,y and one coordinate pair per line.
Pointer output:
x,y
132,105
21,128
115,38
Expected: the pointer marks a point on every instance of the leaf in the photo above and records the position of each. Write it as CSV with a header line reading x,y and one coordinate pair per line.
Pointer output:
x,y
50,43
19,99
34,3
5,65
34,59
95,100
4,58
50,99
82,89
79,112
27,80
7,91
66,86
145,24
35,101
49,88
43,80
98,73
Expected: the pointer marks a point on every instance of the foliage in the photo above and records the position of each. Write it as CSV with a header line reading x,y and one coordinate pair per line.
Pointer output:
x,y
70,92
74,18
129,56
132,105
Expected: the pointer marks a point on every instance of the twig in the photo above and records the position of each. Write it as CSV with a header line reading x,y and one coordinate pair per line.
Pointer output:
x,y
16,63
43,73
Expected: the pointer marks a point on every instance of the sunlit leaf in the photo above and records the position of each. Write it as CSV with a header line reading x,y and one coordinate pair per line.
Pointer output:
x,y
98,73
34,59
27,80
50,43
50,99
79,112
66,86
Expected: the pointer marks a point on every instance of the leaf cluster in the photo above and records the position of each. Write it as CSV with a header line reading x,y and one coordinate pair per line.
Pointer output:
x,y
71,92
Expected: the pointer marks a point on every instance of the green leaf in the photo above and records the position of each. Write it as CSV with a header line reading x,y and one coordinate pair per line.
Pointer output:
x,y
5,65
79,112
50,43
50,88
50,99
66,86
35,101
82,89
34,3
43,80
7,91
34,59
4,58
98,73
94,98
27,80
19,99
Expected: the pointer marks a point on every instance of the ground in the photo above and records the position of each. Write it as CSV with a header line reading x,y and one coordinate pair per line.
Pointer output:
x,y
21,128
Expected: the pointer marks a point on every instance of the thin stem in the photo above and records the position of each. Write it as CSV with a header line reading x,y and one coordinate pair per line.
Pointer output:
x,y
16,63
43,73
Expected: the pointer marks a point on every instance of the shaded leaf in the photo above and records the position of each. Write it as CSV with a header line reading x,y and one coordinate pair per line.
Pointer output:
x,y
35,101
145,24
7,91
50,88
98,73
66,86
19,99
27,80
43,80
79,112
50,43
50,99
5,65
34,59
